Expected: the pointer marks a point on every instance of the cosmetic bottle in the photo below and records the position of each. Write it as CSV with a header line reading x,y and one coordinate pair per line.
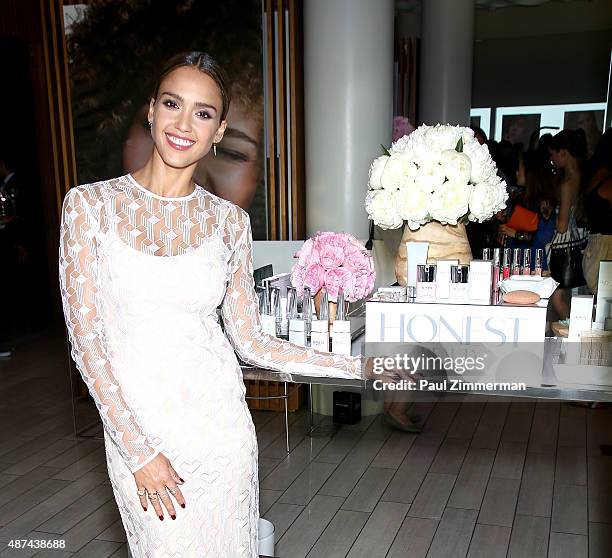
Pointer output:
x,y
341,335
506,264
539,255
459,285
497,275
416,254
526,270
443,279
275,309
426,283
268,321
319,336
486,253
516,261
297,327
307,312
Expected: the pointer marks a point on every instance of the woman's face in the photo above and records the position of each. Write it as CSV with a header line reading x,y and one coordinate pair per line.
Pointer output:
x,y
233,174
186,117
558,158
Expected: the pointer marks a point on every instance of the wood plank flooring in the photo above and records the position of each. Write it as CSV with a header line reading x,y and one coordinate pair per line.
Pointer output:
x,y
507,478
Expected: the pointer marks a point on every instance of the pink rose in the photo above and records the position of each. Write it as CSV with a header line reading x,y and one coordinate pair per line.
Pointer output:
x,y
401,127
314,277
363,284
357,260
308,254
297,278
336,278
331,256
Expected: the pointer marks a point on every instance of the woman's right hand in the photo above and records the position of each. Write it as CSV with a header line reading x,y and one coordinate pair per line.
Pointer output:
x,y
159,476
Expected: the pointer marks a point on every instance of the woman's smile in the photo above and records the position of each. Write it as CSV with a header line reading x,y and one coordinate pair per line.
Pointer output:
x,y
177,142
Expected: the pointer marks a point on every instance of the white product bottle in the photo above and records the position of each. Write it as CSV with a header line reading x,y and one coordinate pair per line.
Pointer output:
x,y
459,286
268,321
297,327
319,336
307,312
341,336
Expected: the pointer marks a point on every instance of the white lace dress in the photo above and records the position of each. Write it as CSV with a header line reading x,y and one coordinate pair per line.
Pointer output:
x,y
141,276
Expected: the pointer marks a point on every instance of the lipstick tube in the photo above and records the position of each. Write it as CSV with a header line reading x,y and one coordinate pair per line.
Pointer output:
x,y
506,264
527,262
516,261
539,257
496,275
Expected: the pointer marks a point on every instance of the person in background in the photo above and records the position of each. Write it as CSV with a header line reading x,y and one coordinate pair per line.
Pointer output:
x,y
598,208
534,178
566,150
12,250
479,134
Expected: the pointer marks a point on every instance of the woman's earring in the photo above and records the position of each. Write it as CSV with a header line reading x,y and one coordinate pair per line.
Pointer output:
x,y
215,149
150,124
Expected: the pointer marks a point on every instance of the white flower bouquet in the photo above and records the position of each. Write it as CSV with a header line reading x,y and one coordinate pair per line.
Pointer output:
x,y
436,173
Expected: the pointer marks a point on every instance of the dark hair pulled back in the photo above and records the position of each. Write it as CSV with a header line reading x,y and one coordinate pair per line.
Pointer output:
x,y
206,64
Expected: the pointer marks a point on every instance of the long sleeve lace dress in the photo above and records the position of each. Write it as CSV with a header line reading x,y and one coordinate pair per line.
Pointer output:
x,y
141,277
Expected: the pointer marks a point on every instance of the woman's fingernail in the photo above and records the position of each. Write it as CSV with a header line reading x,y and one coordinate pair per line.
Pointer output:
x,y
182,505
145,509
161,517
181,479
173,516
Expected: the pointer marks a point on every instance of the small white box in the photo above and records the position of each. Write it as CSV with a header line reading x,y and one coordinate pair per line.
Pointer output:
x,y
481,278
604,292
581,316
443,278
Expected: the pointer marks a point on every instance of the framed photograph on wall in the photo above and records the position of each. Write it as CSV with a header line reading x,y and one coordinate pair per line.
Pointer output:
x,y
517,128
591,121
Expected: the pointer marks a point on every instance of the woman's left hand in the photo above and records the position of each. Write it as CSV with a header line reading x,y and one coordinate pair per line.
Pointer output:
x,y
505,229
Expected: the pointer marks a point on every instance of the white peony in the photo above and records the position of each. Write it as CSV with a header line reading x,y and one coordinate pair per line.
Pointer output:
x,y
457,166
483,167
487,199
413,205
450,202
429,176
441,138
381,206
399,171
376,169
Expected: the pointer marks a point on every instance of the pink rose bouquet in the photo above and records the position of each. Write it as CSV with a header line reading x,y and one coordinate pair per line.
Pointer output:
x,y
334,261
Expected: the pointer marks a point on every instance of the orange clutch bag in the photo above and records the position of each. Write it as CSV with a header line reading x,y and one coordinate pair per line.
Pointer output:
x,y
523,219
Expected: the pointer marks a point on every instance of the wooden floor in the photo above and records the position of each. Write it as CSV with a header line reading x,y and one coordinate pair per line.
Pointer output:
x,y
512,479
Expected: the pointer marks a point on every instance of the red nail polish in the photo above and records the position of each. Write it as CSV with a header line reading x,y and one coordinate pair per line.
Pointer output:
x,y
182,505
181,479
145,509
173,517
161,517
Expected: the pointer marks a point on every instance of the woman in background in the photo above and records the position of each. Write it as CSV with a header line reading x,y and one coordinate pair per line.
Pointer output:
x,y
598,204
535,180
567,150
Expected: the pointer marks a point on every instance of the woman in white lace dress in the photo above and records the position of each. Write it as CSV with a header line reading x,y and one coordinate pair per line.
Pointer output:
x,y
145,260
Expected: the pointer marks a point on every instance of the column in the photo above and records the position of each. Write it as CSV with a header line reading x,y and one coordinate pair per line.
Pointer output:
x,y
447,45
348,104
